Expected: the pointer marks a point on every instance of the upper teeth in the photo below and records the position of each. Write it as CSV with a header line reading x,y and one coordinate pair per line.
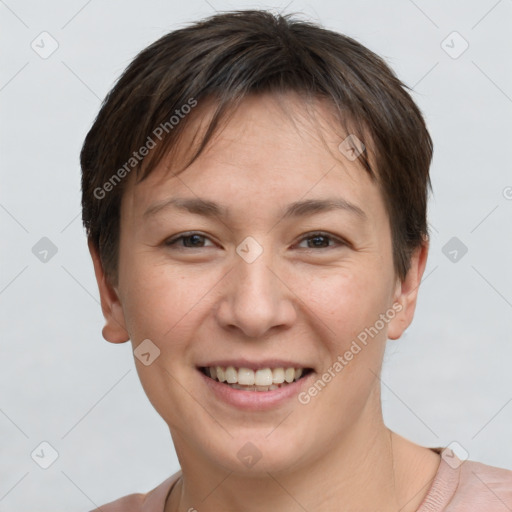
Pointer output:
x,y
261,377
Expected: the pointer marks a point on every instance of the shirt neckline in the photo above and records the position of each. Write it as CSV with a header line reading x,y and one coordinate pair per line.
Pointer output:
x,y
445,482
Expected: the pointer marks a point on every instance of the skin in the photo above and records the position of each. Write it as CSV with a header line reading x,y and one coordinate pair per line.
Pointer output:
x,y
296,300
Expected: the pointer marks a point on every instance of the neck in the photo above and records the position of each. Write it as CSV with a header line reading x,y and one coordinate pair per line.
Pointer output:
x,y
355,473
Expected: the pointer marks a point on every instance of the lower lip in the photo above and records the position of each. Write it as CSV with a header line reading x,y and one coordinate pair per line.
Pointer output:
x,y
255,400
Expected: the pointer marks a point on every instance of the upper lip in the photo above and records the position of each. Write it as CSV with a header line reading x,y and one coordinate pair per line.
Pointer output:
x,y
254,365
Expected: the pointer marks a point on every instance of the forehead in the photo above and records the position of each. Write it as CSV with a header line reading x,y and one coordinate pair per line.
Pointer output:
x,y
270,152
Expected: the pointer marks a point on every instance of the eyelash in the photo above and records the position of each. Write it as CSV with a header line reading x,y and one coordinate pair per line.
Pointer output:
x,y
315,234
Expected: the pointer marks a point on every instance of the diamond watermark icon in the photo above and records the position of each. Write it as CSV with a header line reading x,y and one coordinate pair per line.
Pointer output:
x,y
146,352
249,454
249,249
455,454
454,249
44,455
351,147
44,250
454,45
44,45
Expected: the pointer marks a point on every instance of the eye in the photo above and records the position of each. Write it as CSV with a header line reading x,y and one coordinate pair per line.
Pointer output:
x,y
320,239
192,240
195,240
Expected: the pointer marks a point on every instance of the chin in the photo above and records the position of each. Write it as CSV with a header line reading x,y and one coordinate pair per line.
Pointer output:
x,y
257,451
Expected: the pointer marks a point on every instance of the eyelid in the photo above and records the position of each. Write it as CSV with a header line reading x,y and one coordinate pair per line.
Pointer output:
x,y
171,241
338,240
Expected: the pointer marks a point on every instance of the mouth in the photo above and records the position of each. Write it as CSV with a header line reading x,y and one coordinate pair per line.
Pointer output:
x,y
259,380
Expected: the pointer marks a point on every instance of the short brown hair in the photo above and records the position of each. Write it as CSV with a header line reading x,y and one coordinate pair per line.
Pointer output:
x,y
227,57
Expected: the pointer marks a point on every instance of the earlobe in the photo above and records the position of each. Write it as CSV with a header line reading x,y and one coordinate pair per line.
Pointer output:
x,y
406,293
115,328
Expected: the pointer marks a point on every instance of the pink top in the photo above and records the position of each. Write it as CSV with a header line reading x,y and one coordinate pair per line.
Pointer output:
x,y
458,486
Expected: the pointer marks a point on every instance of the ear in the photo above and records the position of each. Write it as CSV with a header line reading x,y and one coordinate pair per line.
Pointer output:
x,y
406,292
115,328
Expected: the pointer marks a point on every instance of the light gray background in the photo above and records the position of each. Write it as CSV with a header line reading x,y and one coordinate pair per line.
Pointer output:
x,y
447,379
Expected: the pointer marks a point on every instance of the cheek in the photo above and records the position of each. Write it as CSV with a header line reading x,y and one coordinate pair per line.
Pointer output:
x,y
347,305
346,301
161,301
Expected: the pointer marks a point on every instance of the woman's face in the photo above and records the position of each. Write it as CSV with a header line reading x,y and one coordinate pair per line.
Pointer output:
x,y
254,287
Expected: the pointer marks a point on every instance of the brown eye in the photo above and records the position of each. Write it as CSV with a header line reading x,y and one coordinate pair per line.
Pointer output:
x,y
321,240
190,241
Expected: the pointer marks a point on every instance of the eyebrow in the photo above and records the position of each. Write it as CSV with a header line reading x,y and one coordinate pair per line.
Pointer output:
x,y
208,208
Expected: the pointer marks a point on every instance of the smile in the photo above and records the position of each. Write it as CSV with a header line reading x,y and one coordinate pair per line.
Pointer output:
x,y
262,379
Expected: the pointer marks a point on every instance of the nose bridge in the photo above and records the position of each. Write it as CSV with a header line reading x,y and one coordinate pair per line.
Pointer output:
x,y
252,266
255,298
254,281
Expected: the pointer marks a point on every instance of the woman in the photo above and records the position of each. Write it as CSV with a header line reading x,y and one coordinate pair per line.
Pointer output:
x,y
255,193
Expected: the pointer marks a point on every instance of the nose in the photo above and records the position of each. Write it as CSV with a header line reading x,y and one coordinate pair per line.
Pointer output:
x,y
256,298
